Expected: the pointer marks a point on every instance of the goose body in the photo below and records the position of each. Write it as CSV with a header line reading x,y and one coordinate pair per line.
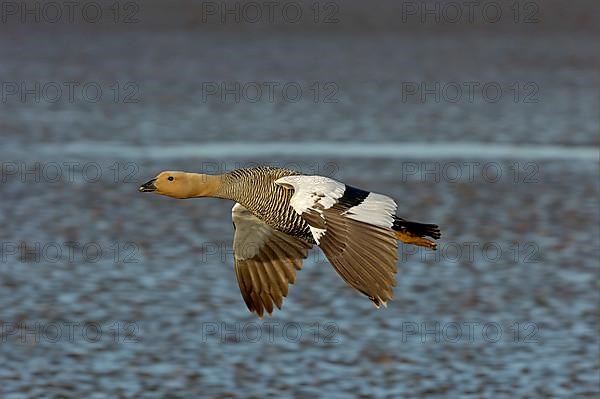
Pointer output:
x,y
257,190
280,214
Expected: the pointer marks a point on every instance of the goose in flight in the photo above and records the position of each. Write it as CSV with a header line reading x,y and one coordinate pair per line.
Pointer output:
x,y
280,214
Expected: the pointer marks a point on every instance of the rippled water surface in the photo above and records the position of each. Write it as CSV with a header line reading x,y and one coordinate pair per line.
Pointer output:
x,y
106,292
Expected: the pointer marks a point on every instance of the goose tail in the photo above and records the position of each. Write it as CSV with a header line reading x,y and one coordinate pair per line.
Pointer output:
x,y
415,233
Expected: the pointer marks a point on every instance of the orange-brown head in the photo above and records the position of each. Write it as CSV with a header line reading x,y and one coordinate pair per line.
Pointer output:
x,y
177,184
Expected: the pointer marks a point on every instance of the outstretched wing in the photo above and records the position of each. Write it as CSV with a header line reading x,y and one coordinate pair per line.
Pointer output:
x,y
266,261
353,227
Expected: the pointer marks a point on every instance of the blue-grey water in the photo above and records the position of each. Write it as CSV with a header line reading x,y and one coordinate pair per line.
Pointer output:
x,y
106,292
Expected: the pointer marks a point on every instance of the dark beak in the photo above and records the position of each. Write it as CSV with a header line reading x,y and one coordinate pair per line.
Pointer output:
x,y
148,187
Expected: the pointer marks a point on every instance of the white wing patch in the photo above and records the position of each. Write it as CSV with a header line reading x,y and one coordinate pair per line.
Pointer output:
x,y
319,193
376,209
312,192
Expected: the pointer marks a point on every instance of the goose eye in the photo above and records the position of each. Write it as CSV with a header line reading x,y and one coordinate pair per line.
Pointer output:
x,y
170,178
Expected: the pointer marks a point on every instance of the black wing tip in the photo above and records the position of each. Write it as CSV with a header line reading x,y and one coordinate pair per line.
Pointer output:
x,y
418,229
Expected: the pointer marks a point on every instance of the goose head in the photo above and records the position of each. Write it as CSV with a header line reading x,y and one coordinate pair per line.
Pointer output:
x,y
177,184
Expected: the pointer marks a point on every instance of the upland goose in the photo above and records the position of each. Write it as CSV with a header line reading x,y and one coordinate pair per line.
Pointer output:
x,y
279,214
